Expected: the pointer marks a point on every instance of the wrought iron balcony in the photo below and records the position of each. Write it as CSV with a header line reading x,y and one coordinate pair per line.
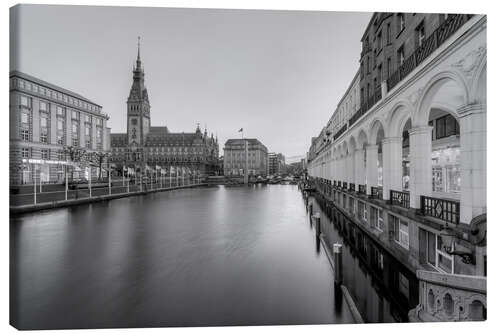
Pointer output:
x,y
339,132
376,192
400,198
443,209
431,43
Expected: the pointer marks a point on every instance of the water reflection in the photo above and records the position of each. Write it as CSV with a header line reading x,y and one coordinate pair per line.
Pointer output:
x,y
383,289
199,257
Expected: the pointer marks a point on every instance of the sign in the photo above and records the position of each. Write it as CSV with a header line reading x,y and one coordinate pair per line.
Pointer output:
x,y
36,161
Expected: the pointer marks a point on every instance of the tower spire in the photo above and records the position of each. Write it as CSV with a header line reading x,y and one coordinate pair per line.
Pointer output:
x,y
138,61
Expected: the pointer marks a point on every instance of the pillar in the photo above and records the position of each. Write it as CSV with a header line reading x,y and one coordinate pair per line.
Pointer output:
x,y
371,166
359,177
420,164
392,154
472,119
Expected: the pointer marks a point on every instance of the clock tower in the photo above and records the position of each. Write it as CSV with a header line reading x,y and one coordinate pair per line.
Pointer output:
x,y
138,115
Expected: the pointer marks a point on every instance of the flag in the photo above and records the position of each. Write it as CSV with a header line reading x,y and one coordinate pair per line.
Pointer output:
x,y
241,130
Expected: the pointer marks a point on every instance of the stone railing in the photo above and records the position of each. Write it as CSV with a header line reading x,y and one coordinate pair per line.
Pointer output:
x,y
450,297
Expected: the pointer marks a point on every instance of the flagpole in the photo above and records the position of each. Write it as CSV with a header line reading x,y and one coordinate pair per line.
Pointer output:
x,y
66,182
109,179
90,182
34,184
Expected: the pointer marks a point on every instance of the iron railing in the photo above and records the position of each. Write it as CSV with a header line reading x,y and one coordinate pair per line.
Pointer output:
x,y
376,192
443,209
339,132
429,45
400,198
365,106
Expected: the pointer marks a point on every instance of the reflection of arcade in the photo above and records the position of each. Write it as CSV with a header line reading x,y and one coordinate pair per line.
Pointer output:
x,y
390,279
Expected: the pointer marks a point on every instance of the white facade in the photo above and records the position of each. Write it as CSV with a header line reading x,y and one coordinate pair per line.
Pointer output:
x,y
452,80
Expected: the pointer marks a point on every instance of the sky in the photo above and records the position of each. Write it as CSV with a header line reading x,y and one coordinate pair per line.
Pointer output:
x,y
279,75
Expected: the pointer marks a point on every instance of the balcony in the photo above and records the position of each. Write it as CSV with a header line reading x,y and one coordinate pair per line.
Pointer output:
x,y
339,132
376,192
443,209
431,43
370,101
399,198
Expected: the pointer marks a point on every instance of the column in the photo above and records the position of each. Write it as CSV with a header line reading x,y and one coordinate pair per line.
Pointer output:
x,y
472,120
359,175
352,165
420,164
371,167
392,154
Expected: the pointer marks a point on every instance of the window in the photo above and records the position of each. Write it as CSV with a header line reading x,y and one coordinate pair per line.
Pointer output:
x,y
25,152
75,115
25,101
45,154
376,218
389,67
44,127
60,155
400,229
351,205
446,126
24,126
60,111
401,55
420,34
388,33
432,252
401,21
362,212
44,106
379,41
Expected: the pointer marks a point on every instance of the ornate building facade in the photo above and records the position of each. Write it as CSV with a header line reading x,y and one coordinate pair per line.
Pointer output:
x,y
44,119
144,144
409,166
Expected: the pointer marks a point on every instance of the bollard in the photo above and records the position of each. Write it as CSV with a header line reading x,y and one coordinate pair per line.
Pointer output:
x,y
317,224
337,257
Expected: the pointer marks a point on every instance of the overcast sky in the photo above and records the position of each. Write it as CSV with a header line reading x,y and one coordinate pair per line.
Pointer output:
x,y
277,74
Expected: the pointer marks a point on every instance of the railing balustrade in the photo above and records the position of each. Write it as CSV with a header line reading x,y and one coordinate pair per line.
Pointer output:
x,y
431,43
376,192
400,198
443,209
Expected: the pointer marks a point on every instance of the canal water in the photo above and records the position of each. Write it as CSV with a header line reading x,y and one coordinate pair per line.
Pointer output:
x,y
193,257
383,289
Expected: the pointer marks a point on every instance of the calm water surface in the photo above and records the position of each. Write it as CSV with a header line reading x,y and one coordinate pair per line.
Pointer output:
x,y
212,256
